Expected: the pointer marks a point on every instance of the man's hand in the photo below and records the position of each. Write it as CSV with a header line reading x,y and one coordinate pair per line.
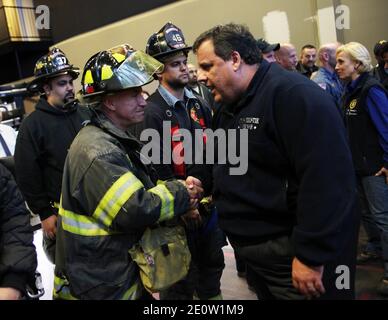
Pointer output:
x,y
192,218
192,214
195,190
193,181
383,171
49,226
307,279
10,294
195,185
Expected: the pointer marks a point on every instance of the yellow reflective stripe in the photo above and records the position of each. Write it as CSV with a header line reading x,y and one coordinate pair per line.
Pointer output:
x,y
167,199
56,205
134,292
82,225
61,289
205,200
117,195
64,295
106,72
88,78
119,57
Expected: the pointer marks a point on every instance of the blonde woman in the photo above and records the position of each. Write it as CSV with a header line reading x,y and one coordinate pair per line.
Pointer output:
x,y
365,106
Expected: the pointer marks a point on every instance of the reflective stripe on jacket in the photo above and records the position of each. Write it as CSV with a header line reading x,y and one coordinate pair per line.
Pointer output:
x,y
108,199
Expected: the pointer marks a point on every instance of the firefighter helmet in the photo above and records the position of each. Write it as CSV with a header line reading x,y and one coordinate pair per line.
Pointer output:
x,y
117,69
52,64
166,41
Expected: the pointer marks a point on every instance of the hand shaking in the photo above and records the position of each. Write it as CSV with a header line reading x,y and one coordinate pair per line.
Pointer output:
x,y
195,190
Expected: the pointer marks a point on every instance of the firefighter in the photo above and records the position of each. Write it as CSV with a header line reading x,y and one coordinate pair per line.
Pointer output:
x,y
175,106
44,138
109,196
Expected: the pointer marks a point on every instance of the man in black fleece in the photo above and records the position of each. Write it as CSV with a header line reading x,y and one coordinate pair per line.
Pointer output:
x,y
44,139
291,215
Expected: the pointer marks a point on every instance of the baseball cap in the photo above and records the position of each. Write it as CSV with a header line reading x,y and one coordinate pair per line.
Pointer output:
x,y
265,47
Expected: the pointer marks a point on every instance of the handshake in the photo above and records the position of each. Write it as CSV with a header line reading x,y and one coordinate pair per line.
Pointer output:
x,y
195,190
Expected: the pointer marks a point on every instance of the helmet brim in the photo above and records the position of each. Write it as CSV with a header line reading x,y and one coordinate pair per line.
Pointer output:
x,y
271,47
35,86
171,52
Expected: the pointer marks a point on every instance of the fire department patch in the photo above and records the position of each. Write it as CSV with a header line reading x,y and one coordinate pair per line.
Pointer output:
x,y
194,116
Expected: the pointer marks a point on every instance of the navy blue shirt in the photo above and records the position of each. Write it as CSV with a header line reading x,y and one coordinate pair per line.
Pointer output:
x,y
329,82
181,107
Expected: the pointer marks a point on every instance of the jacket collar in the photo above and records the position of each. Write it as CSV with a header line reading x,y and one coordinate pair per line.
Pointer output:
x,y
170,99
352,86
253,85
102,121
44,106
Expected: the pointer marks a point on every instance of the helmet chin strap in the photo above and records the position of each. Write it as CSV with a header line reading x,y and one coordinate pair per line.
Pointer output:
x,y
70,104
66,105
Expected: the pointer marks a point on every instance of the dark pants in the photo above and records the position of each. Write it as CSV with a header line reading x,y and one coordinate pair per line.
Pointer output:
x,y
240,264
271,266
207,264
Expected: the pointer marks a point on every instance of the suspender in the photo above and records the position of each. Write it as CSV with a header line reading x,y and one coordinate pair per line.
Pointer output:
x,y
197,116
5,147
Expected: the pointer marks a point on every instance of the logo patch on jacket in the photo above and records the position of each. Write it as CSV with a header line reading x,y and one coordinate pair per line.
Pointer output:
x,y
248,123
353,104
193,115
351,109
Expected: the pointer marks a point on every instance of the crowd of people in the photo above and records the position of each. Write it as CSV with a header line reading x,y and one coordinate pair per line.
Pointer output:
x,y
317,166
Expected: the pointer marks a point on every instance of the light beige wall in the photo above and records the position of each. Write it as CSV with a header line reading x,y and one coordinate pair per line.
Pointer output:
x,y
368,23
193,17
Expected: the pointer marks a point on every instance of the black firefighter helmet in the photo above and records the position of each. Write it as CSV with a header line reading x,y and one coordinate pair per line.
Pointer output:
x,y
117,69
166,41
52,64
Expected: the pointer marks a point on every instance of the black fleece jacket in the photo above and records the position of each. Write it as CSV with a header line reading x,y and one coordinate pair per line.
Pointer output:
x,y
18,260
300,179
41,149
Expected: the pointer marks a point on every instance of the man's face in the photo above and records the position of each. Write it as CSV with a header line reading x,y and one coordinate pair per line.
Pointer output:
x,y
193,79
176,73
346,68
216,73
269,56
287,57
59,90
308,57
128,106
